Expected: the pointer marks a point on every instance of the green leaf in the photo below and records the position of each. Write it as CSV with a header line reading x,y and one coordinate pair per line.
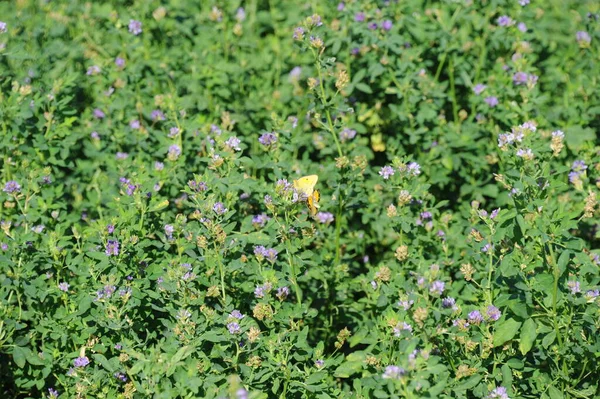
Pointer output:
x,y
470,383
364,88
182,353
346,369
19,356
563,261
137,367
549,339
528,335
103,361
554,393
33,358
505,331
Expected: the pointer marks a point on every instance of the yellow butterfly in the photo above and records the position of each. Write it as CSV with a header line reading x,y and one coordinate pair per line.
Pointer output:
x,y
305,186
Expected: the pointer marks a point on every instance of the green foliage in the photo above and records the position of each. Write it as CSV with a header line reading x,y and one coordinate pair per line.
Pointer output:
x,y
153,243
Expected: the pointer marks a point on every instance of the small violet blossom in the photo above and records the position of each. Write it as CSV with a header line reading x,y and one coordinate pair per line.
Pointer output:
x,y
386,172
135,27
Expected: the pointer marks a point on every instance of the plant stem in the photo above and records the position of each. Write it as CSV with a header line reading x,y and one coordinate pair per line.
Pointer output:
x,y
324,103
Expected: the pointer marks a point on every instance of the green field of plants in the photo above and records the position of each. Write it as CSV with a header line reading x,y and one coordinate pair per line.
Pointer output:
x,y
300,199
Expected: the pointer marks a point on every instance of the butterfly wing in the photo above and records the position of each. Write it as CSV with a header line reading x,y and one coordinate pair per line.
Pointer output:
x,y
313,202
306,184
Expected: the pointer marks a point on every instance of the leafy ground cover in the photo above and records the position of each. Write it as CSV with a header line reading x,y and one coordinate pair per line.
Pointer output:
x,y
156,239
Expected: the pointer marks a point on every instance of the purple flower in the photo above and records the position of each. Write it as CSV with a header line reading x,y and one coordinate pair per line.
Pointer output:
x,y
293,120
493,313
157,115
504,20
2,27
574,177
393,372
590,295
579,166
236,314
448,302
355,51
295,74
583,37
491,101
4,246
574,286
135,27
403,326
498,393
559,134
240,14
120,376
98,113
520,78
479,88
118,347
134,124
414,168
159,165
261,252
81,361
219,208
93,70
315,20
53,393
347,134
426,215
121,155
197,186
112,248
359,17
271,254
63,286
487,248
386,172
405,304
373,25
241,394
183,314
319,363
522,27
174,152
387,25
437,287
525,153
120,62
216,130
324,217
260,220
341,6
532,79
475,317
298,33
494,213
267,139
233,143
12,187
261,290
523,2
173,132
268,200
233,327
282,293
169,229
